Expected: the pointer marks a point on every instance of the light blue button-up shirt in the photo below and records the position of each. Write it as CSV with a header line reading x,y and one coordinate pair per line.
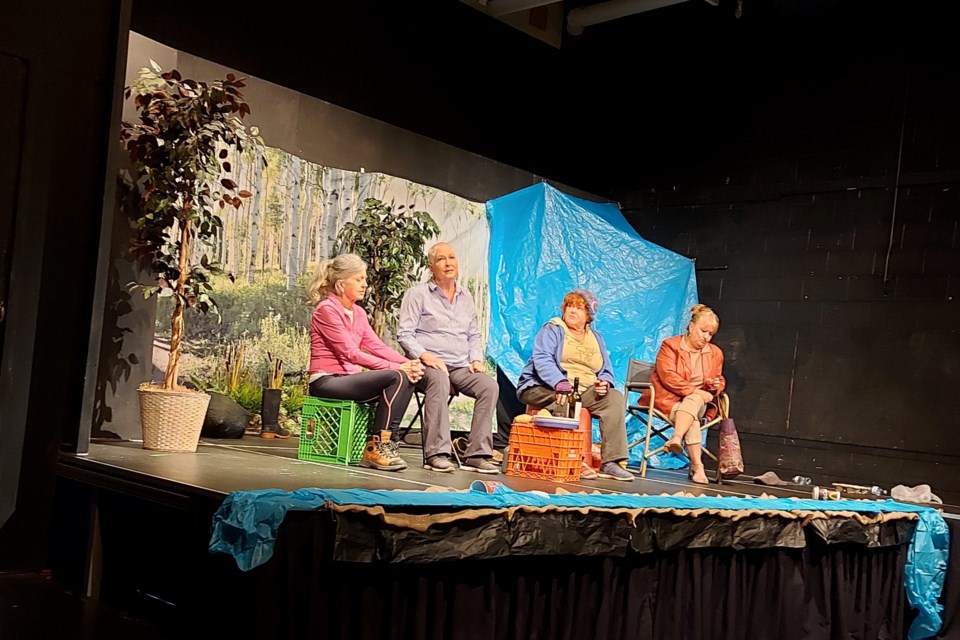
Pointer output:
x,y
430,322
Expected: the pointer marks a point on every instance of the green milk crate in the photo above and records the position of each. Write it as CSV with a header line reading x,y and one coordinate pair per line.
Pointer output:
x,y
334,430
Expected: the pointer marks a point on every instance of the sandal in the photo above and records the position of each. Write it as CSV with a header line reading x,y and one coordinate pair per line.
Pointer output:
x,y
673,446
587,472
696,472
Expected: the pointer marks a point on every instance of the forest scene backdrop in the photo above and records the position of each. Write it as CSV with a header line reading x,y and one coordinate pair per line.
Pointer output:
x,y
269,248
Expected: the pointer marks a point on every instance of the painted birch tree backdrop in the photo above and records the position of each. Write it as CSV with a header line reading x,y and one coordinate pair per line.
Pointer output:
x,y
273,242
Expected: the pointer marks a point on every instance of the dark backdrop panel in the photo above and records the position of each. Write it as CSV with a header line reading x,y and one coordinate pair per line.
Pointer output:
x,y
822,200
13,98
70,51
13,79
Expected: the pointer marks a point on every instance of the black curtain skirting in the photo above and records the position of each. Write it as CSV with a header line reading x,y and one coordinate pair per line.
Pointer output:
x,y
840,590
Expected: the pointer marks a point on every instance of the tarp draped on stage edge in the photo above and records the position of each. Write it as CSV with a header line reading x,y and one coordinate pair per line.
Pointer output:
x,y
246,524
545,243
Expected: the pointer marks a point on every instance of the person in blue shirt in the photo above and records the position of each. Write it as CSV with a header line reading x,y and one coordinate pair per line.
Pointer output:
x,y
438,325
565,349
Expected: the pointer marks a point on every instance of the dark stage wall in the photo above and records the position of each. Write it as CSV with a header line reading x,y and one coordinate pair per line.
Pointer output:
x,y
57,66
821,204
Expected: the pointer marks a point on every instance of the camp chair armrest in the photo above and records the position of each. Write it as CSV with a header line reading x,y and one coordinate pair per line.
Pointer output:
x,y
721,403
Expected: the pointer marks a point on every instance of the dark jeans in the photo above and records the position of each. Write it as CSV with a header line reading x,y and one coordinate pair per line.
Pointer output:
x,y
390,389
508,407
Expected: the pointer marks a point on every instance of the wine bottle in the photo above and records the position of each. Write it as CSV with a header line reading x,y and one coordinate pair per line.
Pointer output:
x,y
576,401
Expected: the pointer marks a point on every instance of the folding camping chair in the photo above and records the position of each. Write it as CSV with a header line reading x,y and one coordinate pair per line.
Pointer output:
x,y
638,381
417,419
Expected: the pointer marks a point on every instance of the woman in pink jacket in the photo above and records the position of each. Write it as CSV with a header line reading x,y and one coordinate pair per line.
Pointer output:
x,y
348,361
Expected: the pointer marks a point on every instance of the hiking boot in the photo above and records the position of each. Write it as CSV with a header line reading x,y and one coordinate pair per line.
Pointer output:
x,y
480,465
387,436
614,471
392,446
440,462
378,455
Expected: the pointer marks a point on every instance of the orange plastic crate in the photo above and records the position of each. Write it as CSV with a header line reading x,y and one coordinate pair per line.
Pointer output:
x,y
545,454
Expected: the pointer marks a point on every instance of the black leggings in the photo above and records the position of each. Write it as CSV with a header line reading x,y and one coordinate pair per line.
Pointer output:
x,y
392,389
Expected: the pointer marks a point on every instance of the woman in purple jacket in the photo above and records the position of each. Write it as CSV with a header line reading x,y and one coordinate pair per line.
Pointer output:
x,y
567,348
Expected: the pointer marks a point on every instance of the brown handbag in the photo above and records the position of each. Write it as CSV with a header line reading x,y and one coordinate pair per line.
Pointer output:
x,y
730,457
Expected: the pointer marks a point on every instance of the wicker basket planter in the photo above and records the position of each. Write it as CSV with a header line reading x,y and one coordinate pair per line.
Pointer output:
x,y
171,420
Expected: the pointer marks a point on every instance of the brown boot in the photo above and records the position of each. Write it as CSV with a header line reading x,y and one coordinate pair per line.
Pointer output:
x,y
378,455
386,438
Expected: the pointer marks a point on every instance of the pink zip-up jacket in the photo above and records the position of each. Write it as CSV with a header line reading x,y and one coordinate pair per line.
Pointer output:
x,y
339,345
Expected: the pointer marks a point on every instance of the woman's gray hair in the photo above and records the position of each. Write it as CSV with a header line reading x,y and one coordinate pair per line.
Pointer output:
x,y
330,272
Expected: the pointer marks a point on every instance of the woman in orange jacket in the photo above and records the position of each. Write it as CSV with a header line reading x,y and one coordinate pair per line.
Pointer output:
x,y
689,375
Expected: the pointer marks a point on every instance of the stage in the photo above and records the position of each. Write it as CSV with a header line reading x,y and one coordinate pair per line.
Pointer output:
x,y
145,521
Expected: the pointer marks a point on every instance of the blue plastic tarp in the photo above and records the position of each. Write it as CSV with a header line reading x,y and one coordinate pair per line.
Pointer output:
x,y
636,429
246,524
545,243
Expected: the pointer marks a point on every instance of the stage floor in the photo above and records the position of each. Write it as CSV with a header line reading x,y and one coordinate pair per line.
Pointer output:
x,y
223,466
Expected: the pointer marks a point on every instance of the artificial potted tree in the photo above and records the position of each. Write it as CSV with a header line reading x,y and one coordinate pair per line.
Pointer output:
x,y
178,149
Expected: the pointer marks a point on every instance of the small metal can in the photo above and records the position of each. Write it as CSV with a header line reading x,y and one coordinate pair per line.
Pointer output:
x,y
825,493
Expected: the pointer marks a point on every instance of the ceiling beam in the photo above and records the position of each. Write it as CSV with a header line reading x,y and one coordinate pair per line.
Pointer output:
x,y
580,18
503,7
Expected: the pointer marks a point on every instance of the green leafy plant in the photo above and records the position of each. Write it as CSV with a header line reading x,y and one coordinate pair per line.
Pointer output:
x,y
248,395
178,149
293,398
392,242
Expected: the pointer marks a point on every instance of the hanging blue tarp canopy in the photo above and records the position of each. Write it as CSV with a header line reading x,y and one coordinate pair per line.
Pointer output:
x,y
544,243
